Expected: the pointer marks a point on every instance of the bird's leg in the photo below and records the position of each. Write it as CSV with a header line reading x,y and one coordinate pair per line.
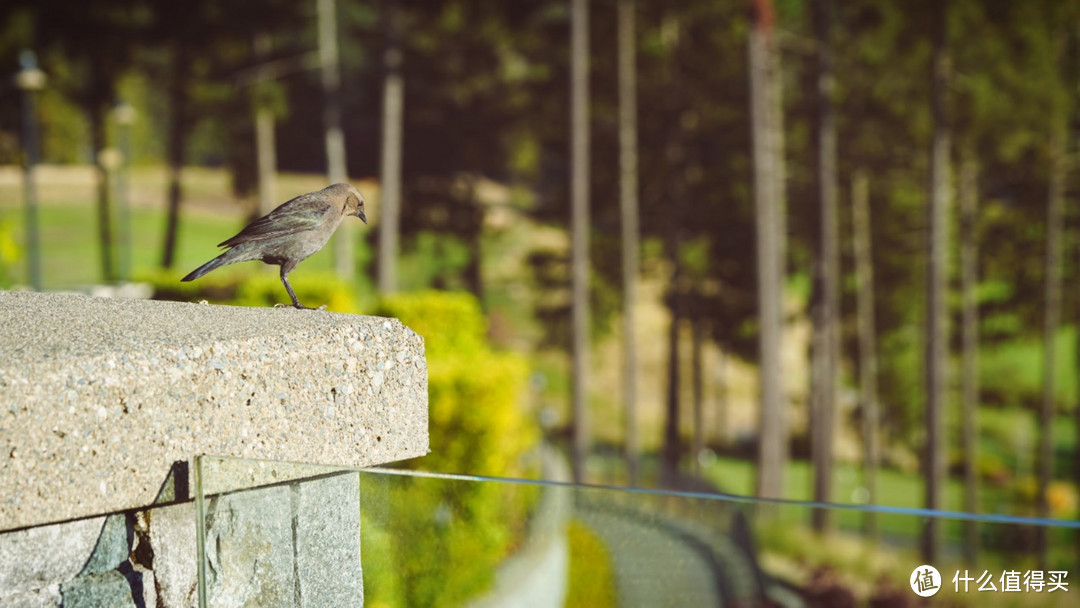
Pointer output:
x,y
295,302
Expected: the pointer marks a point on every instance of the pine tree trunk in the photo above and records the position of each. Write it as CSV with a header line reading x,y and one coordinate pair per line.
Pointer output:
x,y
344,263
1055,210
265,146
826,355
267,159
1076,408
628,204
675,154
98,103
672,446
174,151
697,341
579,226
969,366
720,422
936,373
474,270
390,181
768,188
868,366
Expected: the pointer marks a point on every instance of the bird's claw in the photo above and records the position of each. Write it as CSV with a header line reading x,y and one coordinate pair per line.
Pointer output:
x,y
299,307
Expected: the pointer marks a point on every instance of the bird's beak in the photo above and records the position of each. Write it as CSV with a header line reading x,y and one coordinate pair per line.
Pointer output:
x,y
360,213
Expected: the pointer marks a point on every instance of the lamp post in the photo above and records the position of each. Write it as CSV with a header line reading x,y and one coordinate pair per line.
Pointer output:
x,y
30,80
124,114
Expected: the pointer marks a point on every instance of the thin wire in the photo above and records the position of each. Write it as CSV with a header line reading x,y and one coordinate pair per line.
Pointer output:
x,y
737,498
990,518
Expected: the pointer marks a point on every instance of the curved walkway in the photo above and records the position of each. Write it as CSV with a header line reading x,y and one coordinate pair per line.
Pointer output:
x,y
653,566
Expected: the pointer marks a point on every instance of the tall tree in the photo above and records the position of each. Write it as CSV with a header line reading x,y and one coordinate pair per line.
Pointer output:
x,y
1055,210
969,358
768,188
336,171
936,361
827,317
178,90
1076,406
579,228
98,101
868,366
672,450
674,231
697,345
628,206
97,39
390,182
265,147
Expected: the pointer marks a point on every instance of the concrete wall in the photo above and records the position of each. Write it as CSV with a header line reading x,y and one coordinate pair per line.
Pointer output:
x,y
104,403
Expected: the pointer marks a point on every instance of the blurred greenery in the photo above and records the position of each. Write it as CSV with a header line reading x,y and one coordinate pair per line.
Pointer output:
x,y
254,289
476,394
477,420
486,192
1011,373
10,252
896,489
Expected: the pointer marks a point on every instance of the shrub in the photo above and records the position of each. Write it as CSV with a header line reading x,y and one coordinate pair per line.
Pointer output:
x,y
451,535
254,289
10,253
478,425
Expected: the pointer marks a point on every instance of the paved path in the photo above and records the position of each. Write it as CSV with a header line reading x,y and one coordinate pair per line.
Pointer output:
x,y
653,566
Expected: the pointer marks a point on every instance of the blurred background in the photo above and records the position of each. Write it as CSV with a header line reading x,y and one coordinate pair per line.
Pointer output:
x,y
803,250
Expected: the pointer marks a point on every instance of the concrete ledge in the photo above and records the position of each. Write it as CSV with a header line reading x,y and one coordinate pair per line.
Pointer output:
x,y
99,397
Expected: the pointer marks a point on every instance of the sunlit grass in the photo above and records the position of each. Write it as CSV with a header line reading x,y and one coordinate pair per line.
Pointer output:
x,y
71,251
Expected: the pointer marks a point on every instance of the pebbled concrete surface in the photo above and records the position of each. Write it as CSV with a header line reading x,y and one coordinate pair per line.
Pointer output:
x,y
98,397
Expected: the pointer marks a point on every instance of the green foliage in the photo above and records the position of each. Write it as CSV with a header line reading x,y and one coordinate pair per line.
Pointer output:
x,y
149,103
429,257
382,586
240,288
1011,373
550,277
477,426
592,576
66,128
1008,438
10,252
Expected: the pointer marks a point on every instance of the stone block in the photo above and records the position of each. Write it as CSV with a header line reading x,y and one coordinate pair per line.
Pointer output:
x,y
100,397
110,589
170,534
250,549
112,548
37,558
328,542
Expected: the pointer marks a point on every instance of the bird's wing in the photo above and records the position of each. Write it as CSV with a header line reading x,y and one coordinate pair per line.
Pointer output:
x,y
305,212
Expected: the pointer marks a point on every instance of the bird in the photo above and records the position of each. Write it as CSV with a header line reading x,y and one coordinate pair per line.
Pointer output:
x,y
291,233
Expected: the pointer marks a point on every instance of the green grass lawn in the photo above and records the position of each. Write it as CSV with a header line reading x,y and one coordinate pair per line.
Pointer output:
x,y
896,489
71,253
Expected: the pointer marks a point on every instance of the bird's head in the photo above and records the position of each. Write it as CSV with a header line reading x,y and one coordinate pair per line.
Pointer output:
x,y
354,201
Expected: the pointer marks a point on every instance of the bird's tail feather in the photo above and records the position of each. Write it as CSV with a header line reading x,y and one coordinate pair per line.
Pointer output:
x,y
207,267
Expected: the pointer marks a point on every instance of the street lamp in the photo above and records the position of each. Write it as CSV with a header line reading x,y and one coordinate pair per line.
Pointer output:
x,y
124,114
30,80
